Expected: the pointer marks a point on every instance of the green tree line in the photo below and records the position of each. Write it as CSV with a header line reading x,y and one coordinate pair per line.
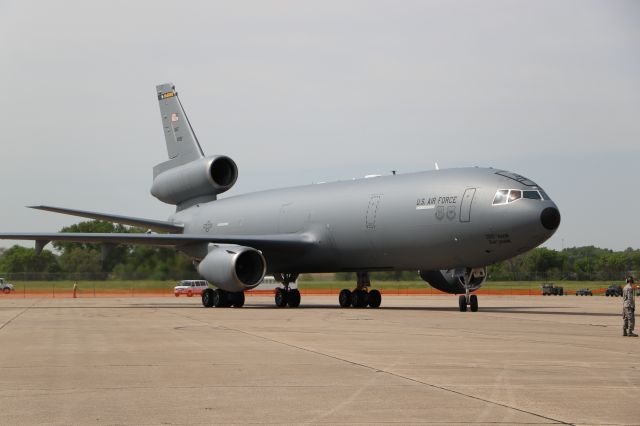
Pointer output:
x,y
121,261
145,262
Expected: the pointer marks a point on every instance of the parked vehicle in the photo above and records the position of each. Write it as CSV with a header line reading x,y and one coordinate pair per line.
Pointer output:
x,y
548,289
584,292
613,290
190,287
5,287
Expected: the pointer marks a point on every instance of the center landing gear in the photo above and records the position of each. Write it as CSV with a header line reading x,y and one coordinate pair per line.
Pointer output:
x,y
287,296
360,297
222,299
466,299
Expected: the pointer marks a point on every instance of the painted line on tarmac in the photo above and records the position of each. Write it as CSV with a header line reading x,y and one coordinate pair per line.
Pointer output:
x,y
400,376
18,314
376,370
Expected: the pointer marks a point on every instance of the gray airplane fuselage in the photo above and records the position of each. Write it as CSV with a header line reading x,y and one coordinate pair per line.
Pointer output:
x,y
432,220
448,224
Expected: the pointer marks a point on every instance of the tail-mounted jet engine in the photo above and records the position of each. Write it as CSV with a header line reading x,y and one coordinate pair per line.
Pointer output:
x,y
233,268
206,177
453,280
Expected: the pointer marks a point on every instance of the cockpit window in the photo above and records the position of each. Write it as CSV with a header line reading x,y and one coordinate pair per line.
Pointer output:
x,y
501,197
532,195
504,196
514,194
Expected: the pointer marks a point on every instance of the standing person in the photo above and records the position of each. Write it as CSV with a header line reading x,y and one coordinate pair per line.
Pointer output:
x,y
628,308
75,289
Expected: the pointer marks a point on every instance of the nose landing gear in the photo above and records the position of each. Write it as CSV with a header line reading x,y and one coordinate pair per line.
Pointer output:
x,y
472,303
467,299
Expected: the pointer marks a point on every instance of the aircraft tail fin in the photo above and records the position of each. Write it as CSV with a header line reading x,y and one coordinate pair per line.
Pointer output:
x,y
182,143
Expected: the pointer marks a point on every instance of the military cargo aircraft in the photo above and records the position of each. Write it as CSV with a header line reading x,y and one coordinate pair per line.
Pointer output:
x,y
448,224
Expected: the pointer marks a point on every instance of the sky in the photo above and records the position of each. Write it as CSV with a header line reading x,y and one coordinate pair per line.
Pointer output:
x,y
298,92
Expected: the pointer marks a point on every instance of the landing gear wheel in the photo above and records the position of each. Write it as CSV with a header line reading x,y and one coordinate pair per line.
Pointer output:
x,y
207,298
473,302
219,298
359,299
293,298
375,298
344,298
281,297
462,303
237,299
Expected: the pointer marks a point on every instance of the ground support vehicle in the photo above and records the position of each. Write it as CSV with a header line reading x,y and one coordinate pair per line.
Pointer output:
x,y
548,289
190,287
5,287
613,291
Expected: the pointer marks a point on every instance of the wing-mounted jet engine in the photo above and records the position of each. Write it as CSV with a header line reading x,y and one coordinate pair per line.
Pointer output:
x,y
457,281
233,269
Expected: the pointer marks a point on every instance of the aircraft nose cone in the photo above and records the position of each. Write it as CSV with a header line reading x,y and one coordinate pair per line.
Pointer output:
x,y
550,218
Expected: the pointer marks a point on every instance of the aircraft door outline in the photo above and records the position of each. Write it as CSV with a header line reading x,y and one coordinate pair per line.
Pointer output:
x,y
465,205
372,211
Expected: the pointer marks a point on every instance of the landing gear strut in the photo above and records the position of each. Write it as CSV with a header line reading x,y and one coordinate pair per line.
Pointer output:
x,y
360,297
222,299
468,299
287,296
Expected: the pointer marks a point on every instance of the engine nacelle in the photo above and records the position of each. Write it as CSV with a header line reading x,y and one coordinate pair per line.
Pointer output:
x,y
233,268
452,280
206,177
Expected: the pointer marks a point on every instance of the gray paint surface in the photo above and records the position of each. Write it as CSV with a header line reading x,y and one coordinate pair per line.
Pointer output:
x,y
433,220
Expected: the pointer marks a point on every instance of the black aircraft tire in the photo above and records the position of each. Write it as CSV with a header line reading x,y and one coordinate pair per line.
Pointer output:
x,y
359,299
207,298
473,302
281,297
237,299
293,299
374,299
219,298
344,298
462,303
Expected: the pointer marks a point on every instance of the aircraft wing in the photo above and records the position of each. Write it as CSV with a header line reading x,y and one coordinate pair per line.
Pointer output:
x,y
156,225
260,242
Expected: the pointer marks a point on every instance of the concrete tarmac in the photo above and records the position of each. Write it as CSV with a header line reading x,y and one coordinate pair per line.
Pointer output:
x,y
416,360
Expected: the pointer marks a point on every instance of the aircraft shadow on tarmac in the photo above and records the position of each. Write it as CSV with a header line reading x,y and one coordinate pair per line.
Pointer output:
x,y
535,310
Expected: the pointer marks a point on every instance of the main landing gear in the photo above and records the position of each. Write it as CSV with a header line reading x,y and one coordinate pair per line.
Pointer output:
x,y
360,297
222,299
467,299
287,296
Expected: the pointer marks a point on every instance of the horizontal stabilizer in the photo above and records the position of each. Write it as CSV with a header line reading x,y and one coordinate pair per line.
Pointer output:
x,y
155,225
